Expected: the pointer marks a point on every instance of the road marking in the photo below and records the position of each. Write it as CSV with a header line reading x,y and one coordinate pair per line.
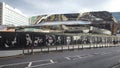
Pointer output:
x,y
79,56
29,64
96,53
73,57
41,65
103,53
14,64
86,56
76,57
22,63
51,61
67,58
89,55
109,52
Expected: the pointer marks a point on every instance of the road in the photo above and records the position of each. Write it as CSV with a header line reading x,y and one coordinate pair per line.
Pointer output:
x,y
86,58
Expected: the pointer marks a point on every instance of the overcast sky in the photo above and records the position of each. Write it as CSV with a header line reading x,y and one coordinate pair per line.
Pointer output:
x,y
40,7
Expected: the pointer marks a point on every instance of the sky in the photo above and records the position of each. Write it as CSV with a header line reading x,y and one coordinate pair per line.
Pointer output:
x,y
41,7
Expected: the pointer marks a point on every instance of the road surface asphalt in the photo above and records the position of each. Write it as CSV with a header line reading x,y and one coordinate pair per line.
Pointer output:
x,y
86,58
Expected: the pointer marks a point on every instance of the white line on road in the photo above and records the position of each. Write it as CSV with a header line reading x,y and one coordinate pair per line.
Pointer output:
x,y
67,58
51,61
22,63
40,65
75,57
14,64
96,53
103,53
90,55
79,56
29,64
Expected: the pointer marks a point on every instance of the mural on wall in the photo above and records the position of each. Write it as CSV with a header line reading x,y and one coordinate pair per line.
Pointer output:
x,y
28,40
68,40
59,40
9,40
50,40
19,40
38,41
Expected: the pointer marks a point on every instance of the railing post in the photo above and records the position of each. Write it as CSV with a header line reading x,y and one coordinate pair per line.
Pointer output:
x,y
78,46
23,51
73,46
32,49
82,46
28,49
56,48
41,49
48,49
62,48
68,48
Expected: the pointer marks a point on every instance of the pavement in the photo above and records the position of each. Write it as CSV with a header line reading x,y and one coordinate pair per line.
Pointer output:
x,y
86,58
6,53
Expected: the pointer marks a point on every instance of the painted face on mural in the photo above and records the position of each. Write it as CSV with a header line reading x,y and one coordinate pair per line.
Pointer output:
x,y
68,40
38,41
28,40
50,40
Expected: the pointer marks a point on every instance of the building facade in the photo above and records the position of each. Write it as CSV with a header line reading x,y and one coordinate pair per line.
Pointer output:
x,y
100,22
11,16
116,15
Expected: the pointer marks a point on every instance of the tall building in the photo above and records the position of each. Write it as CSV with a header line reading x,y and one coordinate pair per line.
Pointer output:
x,y
12,16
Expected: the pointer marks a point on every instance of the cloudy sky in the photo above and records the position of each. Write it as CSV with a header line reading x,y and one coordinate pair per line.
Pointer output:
x,y
40,7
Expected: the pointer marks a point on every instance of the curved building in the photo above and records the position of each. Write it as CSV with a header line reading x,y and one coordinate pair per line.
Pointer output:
x,y
101,22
